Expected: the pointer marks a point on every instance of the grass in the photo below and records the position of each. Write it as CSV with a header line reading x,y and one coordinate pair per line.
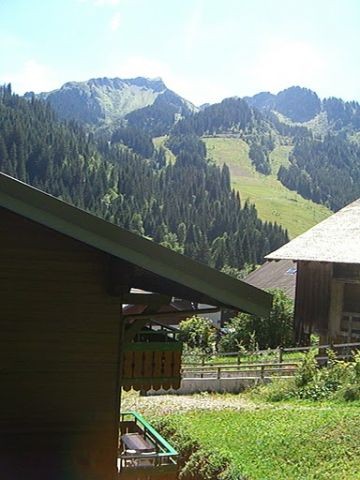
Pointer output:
x,y
160,142
290,442
273,201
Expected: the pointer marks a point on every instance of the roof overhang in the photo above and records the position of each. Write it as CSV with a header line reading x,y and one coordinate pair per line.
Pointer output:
x,y
155,263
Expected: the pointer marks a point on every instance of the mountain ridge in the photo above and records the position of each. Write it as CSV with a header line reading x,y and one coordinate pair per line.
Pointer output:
x,y
106,100
323,164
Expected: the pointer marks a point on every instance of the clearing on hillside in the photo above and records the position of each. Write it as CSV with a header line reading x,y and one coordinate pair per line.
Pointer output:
x,y
274,202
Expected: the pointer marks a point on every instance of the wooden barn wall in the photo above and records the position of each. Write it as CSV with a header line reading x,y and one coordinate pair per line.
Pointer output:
x,y
351,297
313,287
58,356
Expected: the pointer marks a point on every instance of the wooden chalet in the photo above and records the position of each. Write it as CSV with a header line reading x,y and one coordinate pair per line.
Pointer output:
x,y
67,348
327,297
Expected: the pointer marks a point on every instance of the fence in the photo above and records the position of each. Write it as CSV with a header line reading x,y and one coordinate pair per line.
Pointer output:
x,y
280,362
244,371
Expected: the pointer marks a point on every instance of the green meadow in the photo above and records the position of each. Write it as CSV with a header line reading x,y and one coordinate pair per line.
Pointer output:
x,y
274,202
287,442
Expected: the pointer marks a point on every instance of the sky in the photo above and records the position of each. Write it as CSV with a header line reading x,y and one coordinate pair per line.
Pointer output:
x,y
204,50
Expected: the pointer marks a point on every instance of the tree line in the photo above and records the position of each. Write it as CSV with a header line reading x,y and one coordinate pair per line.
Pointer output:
x,y
188,205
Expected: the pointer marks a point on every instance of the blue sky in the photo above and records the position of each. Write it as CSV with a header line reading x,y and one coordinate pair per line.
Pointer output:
x,y
204,50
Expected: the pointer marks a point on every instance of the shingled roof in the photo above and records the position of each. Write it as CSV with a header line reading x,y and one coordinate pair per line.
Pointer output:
x,y
281,274
334,240
158,269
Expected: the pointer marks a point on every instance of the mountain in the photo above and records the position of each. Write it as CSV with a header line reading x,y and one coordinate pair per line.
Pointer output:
x,y
302,105
323,163
296,103
187,205
322,136
100,101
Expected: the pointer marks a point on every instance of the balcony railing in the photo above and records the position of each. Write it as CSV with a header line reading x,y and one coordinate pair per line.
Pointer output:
x,y
143,451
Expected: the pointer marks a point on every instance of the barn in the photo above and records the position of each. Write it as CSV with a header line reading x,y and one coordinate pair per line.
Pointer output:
x,y
327,298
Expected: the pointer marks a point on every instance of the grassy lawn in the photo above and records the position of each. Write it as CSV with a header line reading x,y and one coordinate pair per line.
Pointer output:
x,y
243,437
287,442
273,201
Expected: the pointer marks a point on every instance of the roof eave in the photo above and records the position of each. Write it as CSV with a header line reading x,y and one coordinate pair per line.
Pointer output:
x,y
49,211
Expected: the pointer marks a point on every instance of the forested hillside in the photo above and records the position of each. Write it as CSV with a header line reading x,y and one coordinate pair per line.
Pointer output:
x,y
323,134
187,205
111,166
325,170
324,163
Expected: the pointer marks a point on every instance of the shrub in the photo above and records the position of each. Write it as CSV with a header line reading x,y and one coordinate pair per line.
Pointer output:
x,y
271,332
339,380
307,371
198,333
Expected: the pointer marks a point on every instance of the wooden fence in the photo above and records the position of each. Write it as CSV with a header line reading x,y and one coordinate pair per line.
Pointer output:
x,y
244,371
280,362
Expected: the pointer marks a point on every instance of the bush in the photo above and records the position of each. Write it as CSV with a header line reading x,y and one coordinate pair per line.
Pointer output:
x,y
276,391
350,393
250,331
321,383
198,333
339,380
307,371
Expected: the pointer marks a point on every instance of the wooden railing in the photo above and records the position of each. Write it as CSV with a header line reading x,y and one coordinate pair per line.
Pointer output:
x,y
279,362
244,371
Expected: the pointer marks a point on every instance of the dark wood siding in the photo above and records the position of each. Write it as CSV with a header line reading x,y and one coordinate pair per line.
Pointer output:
x,y
351,297
59,333
313,287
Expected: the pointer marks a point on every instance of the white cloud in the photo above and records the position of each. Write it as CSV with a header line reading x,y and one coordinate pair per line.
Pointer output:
x,y
115,22
102,3
194,28
141,66
282,64
31,76
8,41
106,3
195,89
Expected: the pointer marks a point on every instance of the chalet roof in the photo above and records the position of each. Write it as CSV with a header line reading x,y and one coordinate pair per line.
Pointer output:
x,y
158,269
281,274
334,240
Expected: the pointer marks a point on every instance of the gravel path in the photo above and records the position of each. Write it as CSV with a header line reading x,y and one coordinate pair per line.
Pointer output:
x,y
164,404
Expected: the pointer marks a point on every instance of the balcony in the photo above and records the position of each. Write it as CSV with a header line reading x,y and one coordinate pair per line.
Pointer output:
x,y
143,452
152,360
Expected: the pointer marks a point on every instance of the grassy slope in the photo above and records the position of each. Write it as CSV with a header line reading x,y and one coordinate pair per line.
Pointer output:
x,y
160,142
285,443
273,201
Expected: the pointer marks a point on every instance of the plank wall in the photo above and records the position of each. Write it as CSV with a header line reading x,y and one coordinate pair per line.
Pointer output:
x,y
59,334
312,300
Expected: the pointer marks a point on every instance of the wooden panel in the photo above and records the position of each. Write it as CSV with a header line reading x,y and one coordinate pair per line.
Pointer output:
x,y
351,298
58,356
143,370
347,271
313,287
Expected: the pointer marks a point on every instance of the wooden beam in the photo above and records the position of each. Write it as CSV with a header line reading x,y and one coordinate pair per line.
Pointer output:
x,y
180,313
134,328
150,299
